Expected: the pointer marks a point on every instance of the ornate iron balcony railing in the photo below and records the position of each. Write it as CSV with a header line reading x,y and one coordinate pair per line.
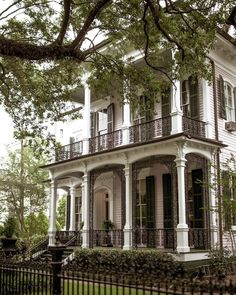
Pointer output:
x,y
194,127
149,130
105,141
69,151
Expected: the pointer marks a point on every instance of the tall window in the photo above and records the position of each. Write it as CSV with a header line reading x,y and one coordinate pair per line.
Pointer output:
x,y
143,111
227,100
189,97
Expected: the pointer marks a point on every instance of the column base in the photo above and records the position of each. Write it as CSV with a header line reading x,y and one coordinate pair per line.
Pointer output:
x,y
51,238
85,146
125,135
85,238
176,122
128,245
182,238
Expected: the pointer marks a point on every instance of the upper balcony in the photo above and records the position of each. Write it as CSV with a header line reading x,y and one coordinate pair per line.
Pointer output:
x,y
139,133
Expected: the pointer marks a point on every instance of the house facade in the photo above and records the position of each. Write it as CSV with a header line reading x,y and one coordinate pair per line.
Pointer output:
x,y
150,172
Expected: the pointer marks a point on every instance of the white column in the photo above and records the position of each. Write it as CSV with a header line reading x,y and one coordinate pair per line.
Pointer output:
x,y
52,214
176,112
207,114
128,208
85,231
126,114
182,227
86,117
213,204
82,201
72,209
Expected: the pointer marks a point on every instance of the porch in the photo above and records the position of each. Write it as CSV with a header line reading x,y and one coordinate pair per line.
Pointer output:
x,y
138,133
152,238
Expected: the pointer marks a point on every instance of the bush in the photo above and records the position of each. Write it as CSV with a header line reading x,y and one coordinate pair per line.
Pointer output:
x,y
10,227
140,263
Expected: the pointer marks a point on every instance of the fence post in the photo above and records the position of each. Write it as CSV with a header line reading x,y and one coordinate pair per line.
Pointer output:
x,y
57,252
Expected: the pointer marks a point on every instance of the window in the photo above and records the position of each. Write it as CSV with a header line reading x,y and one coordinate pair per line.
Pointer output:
x,y
102,121
189,97
143,111
227,100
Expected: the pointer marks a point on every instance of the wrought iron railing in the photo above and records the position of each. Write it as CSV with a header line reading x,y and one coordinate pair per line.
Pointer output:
x,y
37,249
149,130
104,238
198,238
105,141
194,127
69,238
69,151
154,238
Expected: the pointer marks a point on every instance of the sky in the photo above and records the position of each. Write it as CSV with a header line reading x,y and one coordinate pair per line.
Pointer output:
x,y
6,133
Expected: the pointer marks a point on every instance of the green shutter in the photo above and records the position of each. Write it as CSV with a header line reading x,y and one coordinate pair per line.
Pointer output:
x,y
222,110
167,200
165,103
193,97
226,202
110,118
150,189
93,124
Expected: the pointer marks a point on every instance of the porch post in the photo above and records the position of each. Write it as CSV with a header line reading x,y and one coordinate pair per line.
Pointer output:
x,y
86,115
72,208
182,227
207,90
68,198
213,206
52,214
176,112
126,114
128,208
85,231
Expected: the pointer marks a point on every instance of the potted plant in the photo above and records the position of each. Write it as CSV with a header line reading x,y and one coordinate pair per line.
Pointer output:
x,y
9,239
108,225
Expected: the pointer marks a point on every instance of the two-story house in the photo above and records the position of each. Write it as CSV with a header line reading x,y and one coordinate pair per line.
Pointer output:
x,y
146,170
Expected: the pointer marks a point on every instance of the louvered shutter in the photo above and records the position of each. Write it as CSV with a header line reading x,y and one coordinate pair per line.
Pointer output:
x,y
165,103
193,97
110,117
222,110
93,124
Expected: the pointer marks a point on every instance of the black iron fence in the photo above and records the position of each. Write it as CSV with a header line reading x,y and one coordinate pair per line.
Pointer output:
x,y
29,277
194,127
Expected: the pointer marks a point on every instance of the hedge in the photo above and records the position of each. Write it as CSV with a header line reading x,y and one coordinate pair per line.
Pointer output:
x,y
142,263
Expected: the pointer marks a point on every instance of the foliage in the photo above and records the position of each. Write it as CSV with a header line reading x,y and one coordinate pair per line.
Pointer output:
x,y
45,47
137,262
22,186
220,262
107,224
61,213
10,227
36,224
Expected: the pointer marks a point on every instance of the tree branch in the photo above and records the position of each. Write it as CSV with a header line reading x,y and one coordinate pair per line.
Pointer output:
x,y
35,52
89,20
65,22
147,46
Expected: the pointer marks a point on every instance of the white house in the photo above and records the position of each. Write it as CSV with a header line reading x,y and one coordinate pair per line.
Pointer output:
x,y
144,170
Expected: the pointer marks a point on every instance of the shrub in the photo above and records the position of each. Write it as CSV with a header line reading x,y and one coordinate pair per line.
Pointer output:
x,y
10,227
141,263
